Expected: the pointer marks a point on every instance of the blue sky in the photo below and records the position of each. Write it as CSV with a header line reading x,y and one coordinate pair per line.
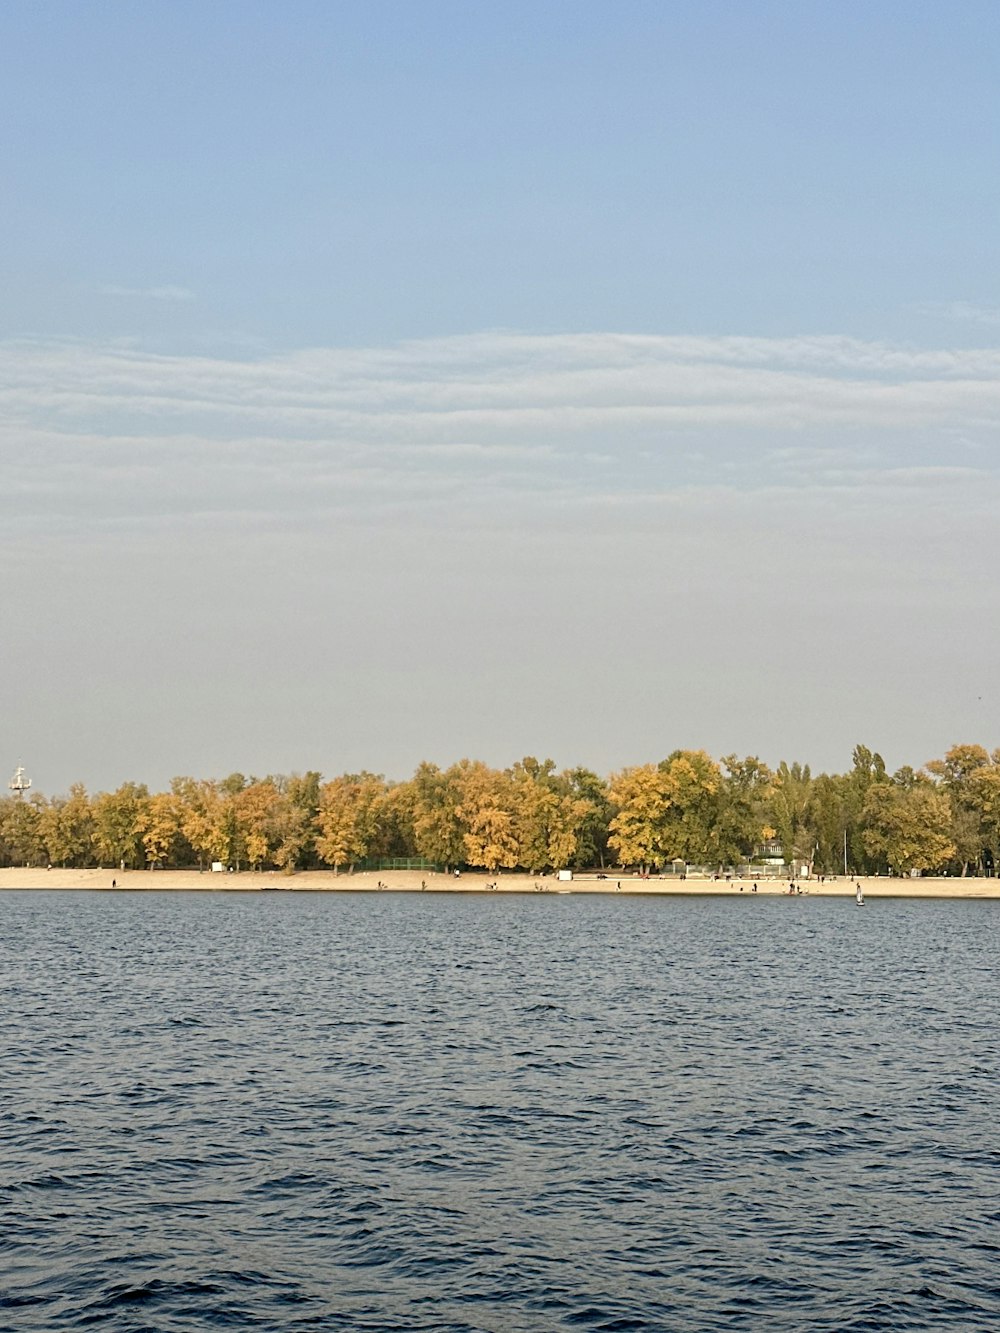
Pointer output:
x,y
643,355
356,172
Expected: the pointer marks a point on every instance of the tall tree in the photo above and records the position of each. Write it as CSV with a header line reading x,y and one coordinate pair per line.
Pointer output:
x,y
547,816
206,819
20,830
905,826
118,818
487,815
742,813
592,833
791,811
959,774
641,798
868,770
694,785
348,817
159,823
438,830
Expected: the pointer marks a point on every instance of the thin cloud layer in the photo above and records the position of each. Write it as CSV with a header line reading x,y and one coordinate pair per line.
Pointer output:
x,y
166,293
109,432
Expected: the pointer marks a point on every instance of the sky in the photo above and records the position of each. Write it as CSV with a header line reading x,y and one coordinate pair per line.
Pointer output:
x,y
392,382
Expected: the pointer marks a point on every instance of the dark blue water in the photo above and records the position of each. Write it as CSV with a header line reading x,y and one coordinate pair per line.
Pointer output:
x,y
454,1113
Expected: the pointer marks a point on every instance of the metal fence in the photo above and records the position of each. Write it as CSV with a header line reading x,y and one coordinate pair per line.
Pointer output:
x,y
396,863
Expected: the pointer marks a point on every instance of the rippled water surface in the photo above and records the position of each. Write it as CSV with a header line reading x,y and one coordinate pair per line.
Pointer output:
x,y
414,1112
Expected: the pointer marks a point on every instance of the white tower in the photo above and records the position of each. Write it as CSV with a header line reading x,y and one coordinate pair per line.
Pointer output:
x,y
20,782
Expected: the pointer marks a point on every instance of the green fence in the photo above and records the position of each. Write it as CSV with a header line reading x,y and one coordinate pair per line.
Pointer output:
x,y
396,863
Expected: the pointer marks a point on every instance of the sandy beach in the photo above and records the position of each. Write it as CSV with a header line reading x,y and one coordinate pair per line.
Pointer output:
x,y
411,881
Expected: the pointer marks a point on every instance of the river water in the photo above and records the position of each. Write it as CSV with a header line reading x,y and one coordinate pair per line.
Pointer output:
x,y
382,1111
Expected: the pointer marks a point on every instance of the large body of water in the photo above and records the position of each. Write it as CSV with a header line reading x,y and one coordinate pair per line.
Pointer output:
x,y
422,1112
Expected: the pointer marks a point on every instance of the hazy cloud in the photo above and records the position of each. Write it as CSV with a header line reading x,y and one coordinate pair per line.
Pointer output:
x,y
246,560
150,293
498,417
962,311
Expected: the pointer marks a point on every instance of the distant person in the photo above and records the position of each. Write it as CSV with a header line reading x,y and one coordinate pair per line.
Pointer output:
x,y
114,884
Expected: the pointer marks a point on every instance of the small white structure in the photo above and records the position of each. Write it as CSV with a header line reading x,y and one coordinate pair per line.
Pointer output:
x,y
217,867
565,874
20,782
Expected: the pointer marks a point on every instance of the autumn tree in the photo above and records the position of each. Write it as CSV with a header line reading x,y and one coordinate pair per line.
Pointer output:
x,y
486,810
255,811
434,798
66,827
547,816
207,821
691,819
960,775
348,817
640,798
118,818
293,819
986,784
20,830
906,824
159,823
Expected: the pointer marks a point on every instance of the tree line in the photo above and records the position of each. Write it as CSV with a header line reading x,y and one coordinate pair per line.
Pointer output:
x,y
688,808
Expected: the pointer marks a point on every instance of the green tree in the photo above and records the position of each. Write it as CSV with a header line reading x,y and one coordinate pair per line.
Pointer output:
x,y
742,808
830,820
547,817
791,811
868,770
118,820
987,802
959,774
297,836
691,819
905,827
593,830
435,798
20,830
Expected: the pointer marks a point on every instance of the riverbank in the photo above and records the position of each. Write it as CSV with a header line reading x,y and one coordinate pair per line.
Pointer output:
x,y
414,881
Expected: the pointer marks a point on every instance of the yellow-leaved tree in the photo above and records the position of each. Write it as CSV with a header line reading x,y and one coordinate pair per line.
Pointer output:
x,y
906,826
160,826
487,815
348,818
641,798
548,817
